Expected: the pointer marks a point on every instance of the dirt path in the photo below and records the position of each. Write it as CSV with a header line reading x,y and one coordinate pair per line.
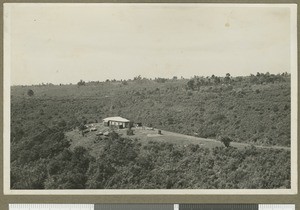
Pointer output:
x,y
213,142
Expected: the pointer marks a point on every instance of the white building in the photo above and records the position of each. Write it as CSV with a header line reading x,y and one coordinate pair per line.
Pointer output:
x,y
116,121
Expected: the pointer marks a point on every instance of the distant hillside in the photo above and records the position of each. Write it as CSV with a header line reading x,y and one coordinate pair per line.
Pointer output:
x,y
248,109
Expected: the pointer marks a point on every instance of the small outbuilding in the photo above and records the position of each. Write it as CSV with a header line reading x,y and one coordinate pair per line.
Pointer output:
x,y
116,121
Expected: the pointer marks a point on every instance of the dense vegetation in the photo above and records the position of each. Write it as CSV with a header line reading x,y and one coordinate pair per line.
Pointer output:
x,y
158,165
125,163
254,109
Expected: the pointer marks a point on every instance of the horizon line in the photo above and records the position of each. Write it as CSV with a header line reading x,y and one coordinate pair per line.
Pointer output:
x,y
140,77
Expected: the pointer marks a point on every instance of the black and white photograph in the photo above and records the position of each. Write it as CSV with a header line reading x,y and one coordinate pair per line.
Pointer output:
x,y
142,98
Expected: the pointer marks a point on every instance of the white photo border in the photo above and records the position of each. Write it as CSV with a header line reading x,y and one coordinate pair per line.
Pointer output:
x,y
294,120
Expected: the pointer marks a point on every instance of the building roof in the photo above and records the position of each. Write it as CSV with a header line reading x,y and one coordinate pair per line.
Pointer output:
x,y
117,119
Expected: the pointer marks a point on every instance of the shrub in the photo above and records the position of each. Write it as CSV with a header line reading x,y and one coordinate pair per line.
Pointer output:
x,y
129,132
30,92
82,127
225,140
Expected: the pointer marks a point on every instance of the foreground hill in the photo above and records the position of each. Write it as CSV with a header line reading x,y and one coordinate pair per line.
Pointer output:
x,y
253,110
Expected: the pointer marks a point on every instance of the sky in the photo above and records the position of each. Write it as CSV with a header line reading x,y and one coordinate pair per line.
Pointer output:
x,y
63,43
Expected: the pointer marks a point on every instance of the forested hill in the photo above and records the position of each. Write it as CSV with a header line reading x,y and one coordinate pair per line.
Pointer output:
x,y
254,109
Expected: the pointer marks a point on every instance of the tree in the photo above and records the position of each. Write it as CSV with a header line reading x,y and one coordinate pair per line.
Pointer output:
x,y
113,135
129,130
190,84
225,140
160,80
217,80
30,92
227,78
137,78
81,83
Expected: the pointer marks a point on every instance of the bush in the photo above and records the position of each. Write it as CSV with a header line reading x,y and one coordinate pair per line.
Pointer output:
x,y
30,92
225,140
82,127
129,132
